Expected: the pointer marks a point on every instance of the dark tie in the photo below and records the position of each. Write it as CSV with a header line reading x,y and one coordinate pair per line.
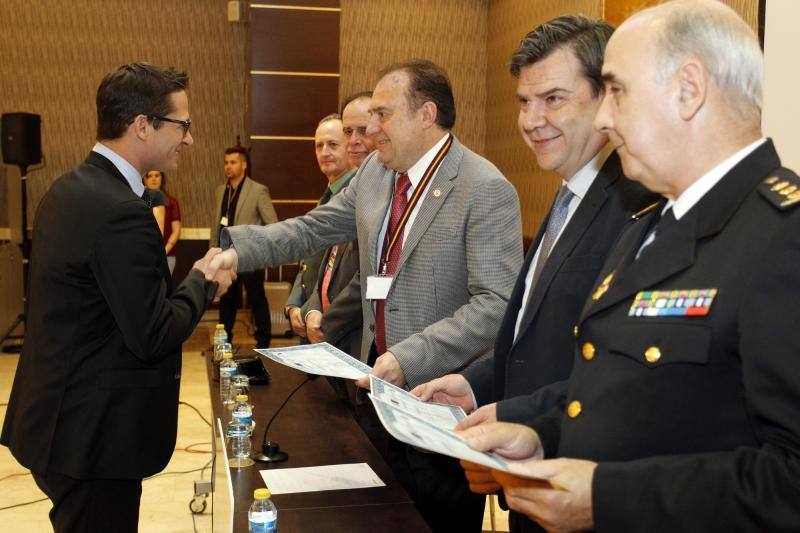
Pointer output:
x,y
325,196
558,216
399,203
667,219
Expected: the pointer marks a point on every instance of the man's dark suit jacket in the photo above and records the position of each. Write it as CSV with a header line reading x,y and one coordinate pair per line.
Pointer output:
x,y
695,419
96,389
342,322
520,375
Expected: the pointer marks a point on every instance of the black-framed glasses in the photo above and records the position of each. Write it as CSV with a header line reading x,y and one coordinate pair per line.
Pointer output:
x,y
185,124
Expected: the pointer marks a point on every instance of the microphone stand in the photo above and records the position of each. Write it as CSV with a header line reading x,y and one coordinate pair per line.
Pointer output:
x,y
271,451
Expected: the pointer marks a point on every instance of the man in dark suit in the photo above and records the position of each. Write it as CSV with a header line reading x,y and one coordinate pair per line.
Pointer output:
x,y
94,405
557,66
242,200
682,410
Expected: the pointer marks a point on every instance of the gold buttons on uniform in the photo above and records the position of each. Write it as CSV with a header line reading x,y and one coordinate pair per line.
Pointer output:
x,y
575,331
588,351
652,354
574,408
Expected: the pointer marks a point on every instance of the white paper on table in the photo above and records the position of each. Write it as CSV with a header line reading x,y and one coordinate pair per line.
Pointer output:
x,y
416,431
321,359
318,478
439,414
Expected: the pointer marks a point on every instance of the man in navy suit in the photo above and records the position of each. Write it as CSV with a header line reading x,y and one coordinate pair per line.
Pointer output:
x,y
559,88
94,406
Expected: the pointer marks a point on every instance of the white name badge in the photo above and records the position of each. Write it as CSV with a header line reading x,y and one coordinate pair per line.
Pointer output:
x,y
223,222
378,287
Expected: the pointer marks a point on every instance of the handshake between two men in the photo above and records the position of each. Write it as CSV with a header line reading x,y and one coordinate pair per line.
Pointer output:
x,y
556,493
215,273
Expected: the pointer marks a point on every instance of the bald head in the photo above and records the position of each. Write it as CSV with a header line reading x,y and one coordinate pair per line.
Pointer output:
x,y
718,38
683,92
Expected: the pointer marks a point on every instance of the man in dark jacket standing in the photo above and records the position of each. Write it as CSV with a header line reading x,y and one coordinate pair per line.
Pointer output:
x,y
93,408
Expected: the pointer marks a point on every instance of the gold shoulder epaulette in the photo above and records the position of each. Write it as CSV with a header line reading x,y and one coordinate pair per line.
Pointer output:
x,y
781,189
643,212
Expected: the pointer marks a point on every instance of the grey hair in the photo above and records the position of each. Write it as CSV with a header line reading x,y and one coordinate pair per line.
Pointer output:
x,y
725,45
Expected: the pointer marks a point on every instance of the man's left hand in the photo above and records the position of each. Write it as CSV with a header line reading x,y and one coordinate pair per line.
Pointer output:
x,y
388,369
559,499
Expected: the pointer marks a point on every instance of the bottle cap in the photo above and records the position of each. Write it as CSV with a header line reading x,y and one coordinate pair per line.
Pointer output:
x,y
261,494
241,397
220,326
227,355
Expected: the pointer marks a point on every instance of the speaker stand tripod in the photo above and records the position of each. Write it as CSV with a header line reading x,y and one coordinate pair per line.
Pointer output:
x,y
25,248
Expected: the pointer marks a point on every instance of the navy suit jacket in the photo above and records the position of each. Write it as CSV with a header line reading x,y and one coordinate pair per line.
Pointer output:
x,y
528,376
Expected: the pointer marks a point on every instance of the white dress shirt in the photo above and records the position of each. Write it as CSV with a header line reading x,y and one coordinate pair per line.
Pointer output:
x,y
131,175
578,185
415,175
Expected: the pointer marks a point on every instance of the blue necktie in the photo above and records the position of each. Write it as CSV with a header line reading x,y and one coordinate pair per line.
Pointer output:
x,y
558,216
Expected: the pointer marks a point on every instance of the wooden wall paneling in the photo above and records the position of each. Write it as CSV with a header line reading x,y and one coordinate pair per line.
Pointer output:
x,y
300,4
508,22
294,40
291,105
452,33
56,74
294,82
287,167
616,11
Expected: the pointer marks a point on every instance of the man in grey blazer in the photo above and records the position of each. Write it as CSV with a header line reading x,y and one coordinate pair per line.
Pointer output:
x,y
459,253
243,201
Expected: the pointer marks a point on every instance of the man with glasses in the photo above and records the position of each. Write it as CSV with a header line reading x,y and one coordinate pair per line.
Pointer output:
x,y
243,201
94,405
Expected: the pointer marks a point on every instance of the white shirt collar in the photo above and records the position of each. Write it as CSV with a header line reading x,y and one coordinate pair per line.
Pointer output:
x,y
698,189
416,172
131,175
579,183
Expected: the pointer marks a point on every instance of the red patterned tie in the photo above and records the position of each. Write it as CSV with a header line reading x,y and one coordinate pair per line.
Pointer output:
x,y
399,202
326,278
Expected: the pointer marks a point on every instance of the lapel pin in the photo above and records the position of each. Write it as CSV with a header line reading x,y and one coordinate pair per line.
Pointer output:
x,y
437,193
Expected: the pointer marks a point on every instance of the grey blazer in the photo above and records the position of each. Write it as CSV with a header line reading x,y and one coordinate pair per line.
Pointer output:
x,y
253,207
456,270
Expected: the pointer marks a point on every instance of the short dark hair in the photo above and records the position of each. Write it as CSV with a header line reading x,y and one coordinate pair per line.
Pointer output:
x,y
135,89
353,98
586,37
244,152
428,82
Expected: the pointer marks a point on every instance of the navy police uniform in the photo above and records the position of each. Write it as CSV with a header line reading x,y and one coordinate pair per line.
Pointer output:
x,y
686,381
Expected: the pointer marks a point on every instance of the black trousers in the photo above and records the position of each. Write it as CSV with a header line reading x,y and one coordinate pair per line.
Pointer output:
x,y
435,482
92,505
232,301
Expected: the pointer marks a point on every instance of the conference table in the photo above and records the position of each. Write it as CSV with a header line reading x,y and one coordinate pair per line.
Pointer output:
x,y
315,428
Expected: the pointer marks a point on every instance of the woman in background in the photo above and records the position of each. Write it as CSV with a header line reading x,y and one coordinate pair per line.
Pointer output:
x,y
171,228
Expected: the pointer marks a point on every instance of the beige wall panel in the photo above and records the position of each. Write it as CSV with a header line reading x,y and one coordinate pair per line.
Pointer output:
x,y
508,22
54,55
618,10
452,33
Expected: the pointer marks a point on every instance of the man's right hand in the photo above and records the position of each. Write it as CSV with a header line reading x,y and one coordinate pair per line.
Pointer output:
x,y
223,278
296,320
485,415
227,260
452,389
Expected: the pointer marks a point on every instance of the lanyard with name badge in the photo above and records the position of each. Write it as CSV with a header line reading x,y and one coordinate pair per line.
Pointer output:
x,y
378,285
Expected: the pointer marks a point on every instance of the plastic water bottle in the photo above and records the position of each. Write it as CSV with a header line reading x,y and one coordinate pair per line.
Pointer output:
x,y
243,411
239,438
263,515
227,369
220,338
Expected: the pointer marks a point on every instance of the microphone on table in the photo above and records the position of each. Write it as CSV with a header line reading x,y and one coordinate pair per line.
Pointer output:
x,y
270,451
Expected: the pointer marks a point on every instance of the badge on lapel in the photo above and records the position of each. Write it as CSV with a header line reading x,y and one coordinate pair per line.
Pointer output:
x,y
677,302
603,287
